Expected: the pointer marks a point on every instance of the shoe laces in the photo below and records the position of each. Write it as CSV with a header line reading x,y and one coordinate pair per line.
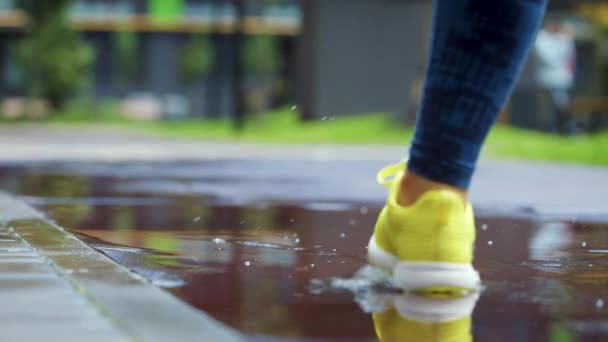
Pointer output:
x,y
390,173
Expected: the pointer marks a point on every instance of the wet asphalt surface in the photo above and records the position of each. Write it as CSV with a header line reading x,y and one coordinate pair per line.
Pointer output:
x,y
243,245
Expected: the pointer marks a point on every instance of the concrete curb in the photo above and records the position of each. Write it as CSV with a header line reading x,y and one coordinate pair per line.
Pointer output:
x,y
136,308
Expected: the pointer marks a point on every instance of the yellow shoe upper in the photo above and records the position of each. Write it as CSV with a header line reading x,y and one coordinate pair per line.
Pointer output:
x,y
438,227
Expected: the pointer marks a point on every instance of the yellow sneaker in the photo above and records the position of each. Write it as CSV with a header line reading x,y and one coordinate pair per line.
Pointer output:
x,y
429,245
422,319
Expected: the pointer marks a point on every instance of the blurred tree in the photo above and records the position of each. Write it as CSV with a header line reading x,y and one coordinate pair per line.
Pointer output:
x,y
196,58
125,46
55,60
262,61
261,55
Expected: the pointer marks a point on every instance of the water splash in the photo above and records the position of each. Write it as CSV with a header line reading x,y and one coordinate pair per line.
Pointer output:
x,y
370,287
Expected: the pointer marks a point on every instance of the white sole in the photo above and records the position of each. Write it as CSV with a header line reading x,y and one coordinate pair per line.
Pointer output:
x,y
418,275
423,309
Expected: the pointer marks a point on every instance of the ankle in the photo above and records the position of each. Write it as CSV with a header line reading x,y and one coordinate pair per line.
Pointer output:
x,y
413,186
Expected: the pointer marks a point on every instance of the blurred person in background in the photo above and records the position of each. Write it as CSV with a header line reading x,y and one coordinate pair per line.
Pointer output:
x,y
556,59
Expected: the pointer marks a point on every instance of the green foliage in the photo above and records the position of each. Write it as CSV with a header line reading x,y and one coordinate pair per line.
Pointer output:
x,y
40,12
196,58
88,109
55,60
518,143
125,47
261,55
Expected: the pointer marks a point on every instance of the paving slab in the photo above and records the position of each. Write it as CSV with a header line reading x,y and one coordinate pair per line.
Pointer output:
x,y
38,304
56,288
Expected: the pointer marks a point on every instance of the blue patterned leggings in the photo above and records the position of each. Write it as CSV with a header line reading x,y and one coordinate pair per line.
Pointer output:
x,y
478,48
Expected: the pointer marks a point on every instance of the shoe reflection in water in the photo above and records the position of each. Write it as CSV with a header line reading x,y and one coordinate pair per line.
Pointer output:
x,y
422,318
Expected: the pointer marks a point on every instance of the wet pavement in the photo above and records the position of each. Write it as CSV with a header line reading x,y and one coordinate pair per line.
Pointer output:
x,y
249,261
57,288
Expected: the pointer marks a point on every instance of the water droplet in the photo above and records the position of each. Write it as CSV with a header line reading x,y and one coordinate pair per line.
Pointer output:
x,y
584,244
196,219
218,241
490,242
352,222
292,220
296,240
324,118
484,227
335,250
294,107
247,263
312,265
363,210
590,265
599,303
342,235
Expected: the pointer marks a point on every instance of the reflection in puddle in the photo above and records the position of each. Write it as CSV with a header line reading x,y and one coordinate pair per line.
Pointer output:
x,y
251,265
397,314
535,282
420,318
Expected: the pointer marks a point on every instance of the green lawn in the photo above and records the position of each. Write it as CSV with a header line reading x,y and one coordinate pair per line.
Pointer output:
x,y
282,126
525,144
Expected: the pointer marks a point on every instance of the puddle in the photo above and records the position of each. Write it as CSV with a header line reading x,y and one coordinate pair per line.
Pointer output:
x,y
283,269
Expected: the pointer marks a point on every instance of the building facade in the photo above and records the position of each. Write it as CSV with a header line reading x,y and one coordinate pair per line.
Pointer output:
x,y
153,35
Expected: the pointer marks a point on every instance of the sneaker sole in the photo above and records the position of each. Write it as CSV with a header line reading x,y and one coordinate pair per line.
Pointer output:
x,y
423,275
424,309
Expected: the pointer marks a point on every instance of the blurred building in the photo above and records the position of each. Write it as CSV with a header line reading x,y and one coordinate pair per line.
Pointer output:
x,y
360,56
337,57
153,35
369,55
